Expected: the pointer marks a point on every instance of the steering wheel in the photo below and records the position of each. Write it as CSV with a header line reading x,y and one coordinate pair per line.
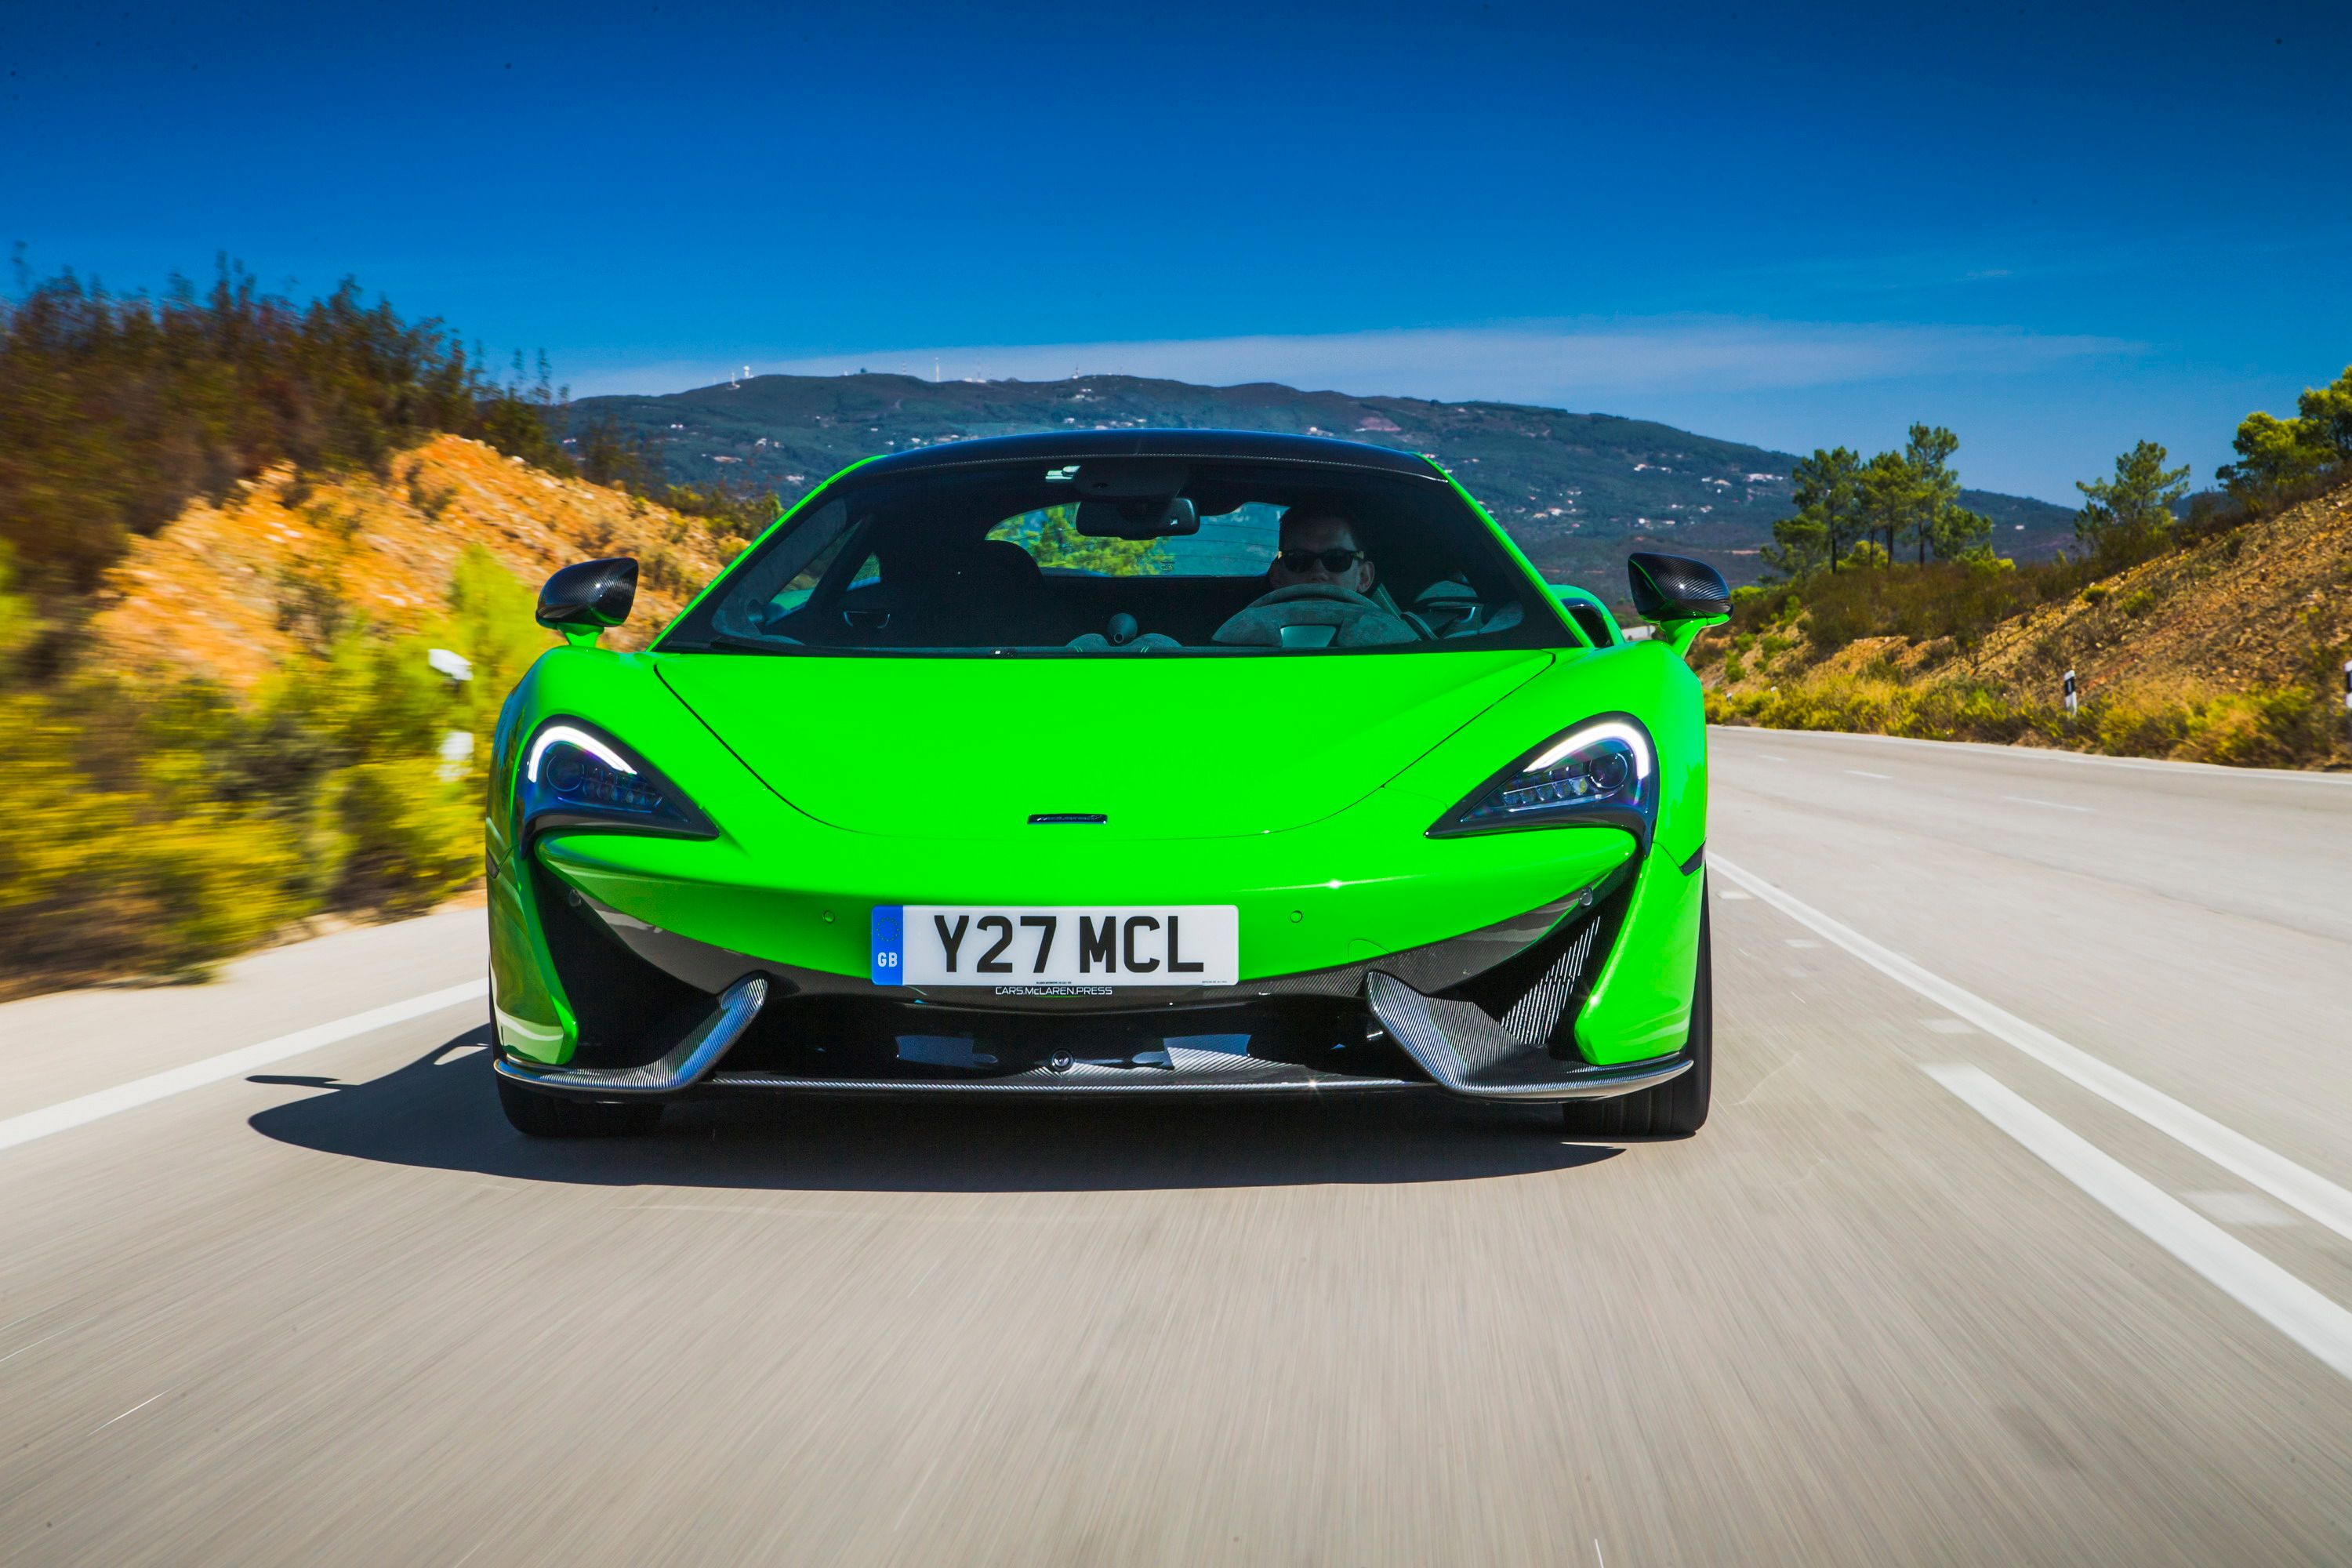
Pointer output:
x,y
1334,591
1357,620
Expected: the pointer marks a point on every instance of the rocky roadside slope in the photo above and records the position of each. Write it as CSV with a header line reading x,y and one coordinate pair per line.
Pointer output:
x,y
2228,649
228,591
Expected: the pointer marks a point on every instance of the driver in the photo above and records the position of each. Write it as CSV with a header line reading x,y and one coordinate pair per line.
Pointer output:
x,y
1318,545
1319,590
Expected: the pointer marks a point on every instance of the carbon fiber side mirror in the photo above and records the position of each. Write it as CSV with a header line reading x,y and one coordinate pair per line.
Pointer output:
x,y
1676,588
590,596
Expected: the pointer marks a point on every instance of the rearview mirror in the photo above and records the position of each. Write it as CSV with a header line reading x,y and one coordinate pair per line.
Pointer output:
x,y
582,600
1142,518
1683,596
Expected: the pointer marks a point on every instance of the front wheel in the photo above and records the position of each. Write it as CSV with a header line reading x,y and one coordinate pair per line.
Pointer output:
x,y
1677,1108
537,1115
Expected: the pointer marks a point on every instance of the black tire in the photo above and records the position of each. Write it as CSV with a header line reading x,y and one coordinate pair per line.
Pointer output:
x,y
537,1115
1677,1108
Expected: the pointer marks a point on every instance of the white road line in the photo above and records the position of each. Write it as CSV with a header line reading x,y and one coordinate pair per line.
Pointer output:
x,y
1860,774
2240,1208
2030,755
2274,1173
2256,1283
2051,804
132,1411
44,1339
74,1113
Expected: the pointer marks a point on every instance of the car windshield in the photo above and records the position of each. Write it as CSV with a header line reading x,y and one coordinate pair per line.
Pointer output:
x,y
1126,555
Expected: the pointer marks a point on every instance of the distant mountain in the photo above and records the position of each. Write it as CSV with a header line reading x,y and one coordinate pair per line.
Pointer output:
x,y
1577,491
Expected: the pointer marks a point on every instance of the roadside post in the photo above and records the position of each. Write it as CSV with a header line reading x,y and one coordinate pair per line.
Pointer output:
x,y
2071,701
2347,691
457,746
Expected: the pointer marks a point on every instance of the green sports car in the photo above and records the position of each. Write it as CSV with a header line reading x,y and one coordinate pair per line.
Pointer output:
x,y
1112,763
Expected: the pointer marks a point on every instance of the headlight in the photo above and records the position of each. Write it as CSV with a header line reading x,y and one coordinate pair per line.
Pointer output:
x,y
1603,771
576,776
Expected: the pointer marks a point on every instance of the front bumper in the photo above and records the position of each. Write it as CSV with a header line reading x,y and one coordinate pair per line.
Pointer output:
x,y
1455,1046
1493,1014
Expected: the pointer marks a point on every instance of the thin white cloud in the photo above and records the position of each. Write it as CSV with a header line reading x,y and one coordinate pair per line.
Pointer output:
x,y
1577,365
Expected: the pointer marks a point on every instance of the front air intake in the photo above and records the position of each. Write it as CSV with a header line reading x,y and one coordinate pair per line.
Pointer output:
x,y
1534,995
1531,1019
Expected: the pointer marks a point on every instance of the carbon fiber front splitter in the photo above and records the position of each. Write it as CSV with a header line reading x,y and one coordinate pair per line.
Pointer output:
x,y
1456,1047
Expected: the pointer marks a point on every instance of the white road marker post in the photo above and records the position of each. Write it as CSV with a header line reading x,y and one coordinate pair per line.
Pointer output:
x,y
2347,691
456,748
2072,702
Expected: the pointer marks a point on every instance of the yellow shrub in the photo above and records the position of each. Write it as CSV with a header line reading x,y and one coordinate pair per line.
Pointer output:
x,y
410,839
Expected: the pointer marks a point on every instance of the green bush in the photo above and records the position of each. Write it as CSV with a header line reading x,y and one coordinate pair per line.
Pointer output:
x,y
2276,727
115,412
159,824
98,883
409,838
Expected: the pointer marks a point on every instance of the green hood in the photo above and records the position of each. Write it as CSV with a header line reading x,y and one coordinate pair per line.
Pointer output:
x,y
1183,747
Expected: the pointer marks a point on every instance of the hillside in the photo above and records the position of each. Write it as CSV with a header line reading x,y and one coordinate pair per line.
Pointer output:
x,y
2242,612
232,590
1578,491
2228,649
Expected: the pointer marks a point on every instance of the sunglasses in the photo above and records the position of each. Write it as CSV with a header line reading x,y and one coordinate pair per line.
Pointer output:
x,y
1333,561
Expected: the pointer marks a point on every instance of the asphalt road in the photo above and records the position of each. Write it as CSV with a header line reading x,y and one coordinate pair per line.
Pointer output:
x,y
2022,1235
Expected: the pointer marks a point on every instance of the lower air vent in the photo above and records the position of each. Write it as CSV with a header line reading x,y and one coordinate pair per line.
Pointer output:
x,y
1532,1018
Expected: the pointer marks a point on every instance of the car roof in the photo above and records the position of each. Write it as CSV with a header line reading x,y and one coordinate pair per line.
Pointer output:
x,y
1080,445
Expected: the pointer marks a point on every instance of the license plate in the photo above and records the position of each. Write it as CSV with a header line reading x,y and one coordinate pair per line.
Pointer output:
x,y
972,944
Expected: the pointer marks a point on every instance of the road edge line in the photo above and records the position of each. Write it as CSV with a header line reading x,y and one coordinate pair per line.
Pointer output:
x,y
80,1111
2256,1283
2093,759
2304,1191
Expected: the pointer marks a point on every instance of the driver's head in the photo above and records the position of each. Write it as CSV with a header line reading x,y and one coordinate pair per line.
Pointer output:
x,y
1318,545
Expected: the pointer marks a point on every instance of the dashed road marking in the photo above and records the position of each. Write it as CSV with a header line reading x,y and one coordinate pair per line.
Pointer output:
x,y
2235,1152
132,1411
2256,1283
2053,805
44,1339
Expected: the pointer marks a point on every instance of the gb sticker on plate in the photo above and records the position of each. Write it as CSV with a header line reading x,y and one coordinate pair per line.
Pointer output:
x,y
889,945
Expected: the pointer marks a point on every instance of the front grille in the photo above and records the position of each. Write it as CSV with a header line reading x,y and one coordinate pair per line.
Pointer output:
x,y
865,1040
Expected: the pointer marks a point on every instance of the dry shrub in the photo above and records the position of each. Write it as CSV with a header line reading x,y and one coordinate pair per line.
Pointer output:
x,y
2272,727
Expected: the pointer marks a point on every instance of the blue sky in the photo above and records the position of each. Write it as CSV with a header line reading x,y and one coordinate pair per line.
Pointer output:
x,y
2056,229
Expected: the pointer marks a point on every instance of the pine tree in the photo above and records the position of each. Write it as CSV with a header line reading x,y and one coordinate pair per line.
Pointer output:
x,y
2130,517
1934,490
2277,455
1828,499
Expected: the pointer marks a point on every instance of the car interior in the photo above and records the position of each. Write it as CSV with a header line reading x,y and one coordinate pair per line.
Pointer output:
x,y
1021,557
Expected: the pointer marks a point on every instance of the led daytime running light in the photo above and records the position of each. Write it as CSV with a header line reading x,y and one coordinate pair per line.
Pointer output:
x,y
1603,772
565,735
1575,740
